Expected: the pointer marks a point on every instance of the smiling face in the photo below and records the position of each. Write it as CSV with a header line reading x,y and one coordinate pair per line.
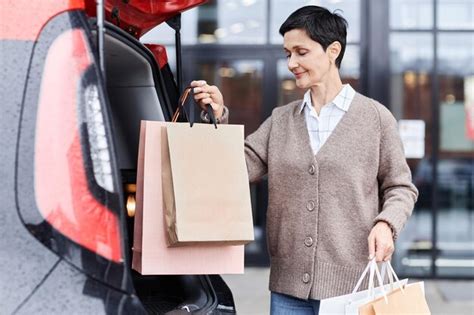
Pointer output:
x,y
308,61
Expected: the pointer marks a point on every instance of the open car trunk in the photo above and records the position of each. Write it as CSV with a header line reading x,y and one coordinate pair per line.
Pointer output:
x,y
138,89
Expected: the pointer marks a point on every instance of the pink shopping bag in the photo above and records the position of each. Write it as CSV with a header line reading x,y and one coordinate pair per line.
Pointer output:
x,y
151,254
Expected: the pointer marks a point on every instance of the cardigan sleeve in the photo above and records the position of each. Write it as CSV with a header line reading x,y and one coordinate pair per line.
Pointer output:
x,y
223,120
256,151
397,192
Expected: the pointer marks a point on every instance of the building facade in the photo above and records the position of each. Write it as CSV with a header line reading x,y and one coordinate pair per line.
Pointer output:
x,y
414,56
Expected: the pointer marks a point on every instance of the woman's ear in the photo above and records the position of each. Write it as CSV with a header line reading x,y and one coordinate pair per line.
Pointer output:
x,y
333,51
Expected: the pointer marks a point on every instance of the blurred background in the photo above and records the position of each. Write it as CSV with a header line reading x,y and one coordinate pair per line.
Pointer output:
x,y
414,56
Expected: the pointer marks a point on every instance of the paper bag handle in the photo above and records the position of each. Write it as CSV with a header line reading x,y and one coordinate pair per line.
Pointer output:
x,y
182,101
379,278
372,269
388,269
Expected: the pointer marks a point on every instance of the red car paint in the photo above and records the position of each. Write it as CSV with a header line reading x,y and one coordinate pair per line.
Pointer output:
x,y
139,16
159,52
24,19
66,202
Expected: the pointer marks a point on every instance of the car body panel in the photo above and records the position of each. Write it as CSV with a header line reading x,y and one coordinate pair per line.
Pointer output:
x,y
75,293
67,202
24,261
24,19
139,16
62,242
159,51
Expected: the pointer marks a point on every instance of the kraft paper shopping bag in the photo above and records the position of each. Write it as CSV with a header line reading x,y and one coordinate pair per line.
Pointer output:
x,y
409,300
206,185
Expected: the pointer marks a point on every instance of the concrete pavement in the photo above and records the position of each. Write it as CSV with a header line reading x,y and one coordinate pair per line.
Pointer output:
x,y
444,297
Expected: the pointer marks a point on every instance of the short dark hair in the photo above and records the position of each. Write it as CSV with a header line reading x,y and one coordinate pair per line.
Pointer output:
x,y
321,25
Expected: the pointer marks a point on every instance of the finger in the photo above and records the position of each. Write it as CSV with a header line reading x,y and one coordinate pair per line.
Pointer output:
x,y
202,89
380,252
371,241
213,89
389,253
215,106
197,83
201,96
198,98
208,101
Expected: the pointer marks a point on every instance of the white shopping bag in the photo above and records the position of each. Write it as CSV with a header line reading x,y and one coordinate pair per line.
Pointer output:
x,y
349,304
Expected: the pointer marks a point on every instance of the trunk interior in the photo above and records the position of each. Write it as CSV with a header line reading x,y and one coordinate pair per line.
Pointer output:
x,y
139,90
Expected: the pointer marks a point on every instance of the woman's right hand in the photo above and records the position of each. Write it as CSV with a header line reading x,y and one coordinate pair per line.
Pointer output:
x,y
205,94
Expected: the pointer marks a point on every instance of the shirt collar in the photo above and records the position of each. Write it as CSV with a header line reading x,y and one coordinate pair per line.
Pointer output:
x,y
342,99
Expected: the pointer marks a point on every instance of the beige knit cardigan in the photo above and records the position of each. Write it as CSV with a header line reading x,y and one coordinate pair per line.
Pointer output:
x,y
322,207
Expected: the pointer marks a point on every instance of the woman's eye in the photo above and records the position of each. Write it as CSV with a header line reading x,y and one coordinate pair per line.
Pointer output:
x,y
288,56
302,53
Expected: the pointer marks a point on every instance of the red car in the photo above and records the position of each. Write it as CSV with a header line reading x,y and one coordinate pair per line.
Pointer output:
x,y
74,89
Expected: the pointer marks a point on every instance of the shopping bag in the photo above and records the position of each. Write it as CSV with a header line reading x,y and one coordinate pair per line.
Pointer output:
x,y
151,254
205,184
349,304
407,300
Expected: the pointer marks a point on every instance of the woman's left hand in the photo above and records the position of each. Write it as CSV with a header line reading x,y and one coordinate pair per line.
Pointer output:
x,y
381,242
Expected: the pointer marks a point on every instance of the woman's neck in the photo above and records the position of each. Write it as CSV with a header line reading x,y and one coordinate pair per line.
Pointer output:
x,y
322,94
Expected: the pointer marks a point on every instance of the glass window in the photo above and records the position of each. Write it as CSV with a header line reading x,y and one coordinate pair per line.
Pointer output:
x,y
455,180
456,79
455,217
350,67
411,14
241,83
411,62
232,22
288,91
281,9
455,14
218,21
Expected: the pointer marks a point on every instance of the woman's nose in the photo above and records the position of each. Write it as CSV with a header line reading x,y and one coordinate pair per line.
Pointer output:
x,y
292,64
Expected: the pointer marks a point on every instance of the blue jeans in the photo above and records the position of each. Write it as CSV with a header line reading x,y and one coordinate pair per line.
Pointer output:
x,y
282,304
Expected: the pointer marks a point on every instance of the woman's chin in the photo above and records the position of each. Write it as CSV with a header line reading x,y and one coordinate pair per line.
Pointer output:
x,y
302,84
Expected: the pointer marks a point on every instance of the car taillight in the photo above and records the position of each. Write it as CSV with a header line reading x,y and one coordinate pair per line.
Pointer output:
x,y
73,171
99,148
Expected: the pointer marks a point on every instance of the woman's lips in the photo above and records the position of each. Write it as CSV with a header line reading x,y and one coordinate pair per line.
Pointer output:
x,y
299,74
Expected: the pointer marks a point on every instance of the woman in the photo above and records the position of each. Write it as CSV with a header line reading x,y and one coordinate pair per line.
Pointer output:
x,y
339,184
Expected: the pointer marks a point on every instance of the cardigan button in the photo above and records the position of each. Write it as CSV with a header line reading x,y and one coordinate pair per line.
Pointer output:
x,y
306,277
312,169
308,241
310,205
